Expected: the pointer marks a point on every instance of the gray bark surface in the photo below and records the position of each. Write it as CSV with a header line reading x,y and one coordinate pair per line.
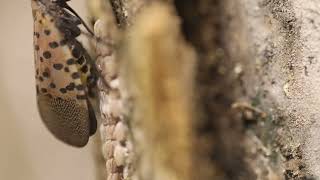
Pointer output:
x,y
256,82
277,43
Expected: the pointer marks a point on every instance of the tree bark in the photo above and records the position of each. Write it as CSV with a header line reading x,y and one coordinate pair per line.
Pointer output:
x,y
247,76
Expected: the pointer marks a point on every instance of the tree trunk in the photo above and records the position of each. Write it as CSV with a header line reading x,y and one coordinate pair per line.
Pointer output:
x,y
211,89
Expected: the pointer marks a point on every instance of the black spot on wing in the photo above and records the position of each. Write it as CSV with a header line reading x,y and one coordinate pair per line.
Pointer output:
x,y
63,90
53,44
47,55
66,69
76,52
47,32
44,90
52,85
70,61
57,66
46,74
84,69
81,60
37,89
36,34
70,87
80,87
75,75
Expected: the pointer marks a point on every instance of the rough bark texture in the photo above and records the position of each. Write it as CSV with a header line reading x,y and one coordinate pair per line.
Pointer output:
x,y
116,146
276,45
254,111
219,130
162,94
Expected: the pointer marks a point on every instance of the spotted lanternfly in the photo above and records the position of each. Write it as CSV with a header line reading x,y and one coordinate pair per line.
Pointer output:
x,y
65,76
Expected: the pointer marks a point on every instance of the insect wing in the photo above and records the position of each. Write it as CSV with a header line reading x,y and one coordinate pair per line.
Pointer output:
x,y
61,94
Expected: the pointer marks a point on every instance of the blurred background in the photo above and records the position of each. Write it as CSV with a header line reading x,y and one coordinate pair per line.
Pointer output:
x,y
27,150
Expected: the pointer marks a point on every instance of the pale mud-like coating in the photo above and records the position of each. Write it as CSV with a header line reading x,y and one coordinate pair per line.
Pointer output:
x,y
62,79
